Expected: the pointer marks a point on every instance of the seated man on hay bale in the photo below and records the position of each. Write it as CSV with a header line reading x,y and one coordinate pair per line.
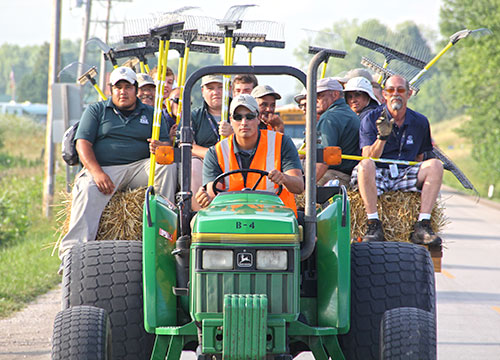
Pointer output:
x,y
339,126
394,131
112,144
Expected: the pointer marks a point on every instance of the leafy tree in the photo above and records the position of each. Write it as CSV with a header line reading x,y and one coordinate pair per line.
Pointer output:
x,y
476,73
33,85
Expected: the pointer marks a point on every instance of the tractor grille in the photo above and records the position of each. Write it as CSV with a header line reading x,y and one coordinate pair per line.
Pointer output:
x,y
279,288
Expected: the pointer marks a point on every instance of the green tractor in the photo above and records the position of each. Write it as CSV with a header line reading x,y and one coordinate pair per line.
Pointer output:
x,y
244,279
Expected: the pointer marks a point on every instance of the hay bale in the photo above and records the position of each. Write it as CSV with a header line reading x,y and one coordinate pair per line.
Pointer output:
x,y
120,220
398,212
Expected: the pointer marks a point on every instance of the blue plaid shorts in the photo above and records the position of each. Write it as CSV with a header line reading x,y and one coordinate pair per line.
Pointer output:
x,y
405,181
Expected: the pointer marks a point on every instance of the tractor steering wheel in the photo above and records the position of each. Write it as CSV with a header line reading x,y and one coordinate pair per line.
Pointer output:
x,y
262,173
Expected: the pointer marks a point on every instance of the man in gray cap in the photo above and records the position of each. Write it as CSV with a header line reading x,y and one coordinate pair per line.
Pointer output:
x,y
146,91
207,127
250,148
112,144
359,96
339,126
266,98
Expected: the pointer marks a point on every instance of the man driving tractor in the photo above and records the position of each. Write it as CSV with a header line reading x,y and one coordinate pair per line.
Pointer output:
x,y
251,148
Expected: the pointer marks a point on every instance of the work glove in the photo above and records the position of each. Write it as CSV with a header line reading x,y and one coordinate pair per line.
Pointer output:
x,y
384,126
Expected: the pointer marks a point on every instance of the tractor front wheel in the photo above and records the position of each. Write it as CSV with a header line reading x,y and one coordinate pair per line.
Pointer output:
x,y
83,333
385,276
408,334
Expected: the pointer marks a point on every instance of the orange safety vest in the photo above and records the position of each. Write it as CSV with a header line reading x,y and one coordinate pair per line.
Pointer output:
x,y
267,157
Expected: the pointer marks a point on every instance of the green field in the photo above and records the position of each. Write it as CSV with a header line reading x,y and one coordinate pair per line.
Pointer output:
x,y
26,238
459,149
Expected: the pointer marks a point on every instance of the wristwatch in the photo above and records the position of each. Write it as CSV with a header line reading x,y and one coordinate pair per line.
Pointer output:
x,y
380,137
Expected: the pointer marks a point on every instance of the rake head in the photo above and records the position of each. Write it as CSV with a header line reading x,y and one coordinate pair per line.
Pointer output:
x,y
386,73
389,53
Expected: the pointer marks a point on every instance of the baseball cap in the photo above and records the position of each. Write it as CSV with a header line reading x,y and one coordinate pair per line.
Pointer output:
x,y
122,73
211,78
145,79
263,90
361,84
300,96
328,84
245,100
359,72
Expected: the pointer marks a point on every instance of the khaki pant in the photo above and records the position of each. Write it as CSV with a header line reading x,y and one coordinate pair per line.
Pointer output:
x,y
331,174
88,202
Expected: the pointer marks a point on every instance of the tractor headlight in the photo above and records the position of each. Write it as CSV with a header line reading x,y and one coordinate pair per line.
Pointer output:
x,y
217,260
272,260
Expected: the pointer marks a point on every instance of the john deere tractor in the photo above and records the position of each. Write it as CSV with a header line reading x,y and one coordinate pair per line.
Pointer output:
x,y
244,278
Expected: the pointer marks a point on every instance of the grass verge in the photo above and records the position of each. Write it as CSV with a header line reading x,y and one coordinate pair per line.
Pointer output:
x,y
26,266
459,150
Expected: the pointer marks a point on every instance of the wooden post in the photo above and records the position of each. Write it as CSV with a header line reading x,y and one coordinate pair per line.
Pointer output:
x,y
48,181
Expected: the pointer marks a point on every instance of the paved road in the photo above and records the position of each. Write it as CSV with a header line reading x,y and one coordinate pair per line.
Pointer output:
x,y
469,285
468,292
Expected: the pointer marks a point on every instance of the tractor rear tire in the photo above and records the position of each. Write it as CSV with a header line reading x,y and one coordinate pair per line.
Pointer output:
x,y
384,276
81,333
408,334
108,275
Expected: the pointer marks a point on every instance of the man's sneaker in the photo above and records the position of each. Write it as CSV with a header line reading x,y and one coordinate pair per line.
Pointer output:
x,y
374,231
423,234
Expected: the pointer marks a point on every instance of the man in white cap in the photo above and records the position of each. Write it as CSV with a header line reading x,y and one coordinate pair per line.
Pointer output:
x,y
339,126
359,96
248,148
112,144
266,98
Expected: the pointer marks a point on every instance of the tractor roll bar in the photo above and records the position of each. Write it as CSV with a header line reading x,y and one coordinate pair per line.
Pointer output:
x,y
186,136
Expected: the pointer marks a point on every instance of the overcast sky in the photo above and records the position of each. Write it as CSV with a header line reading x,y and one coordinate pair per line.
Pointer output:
x,y
28,22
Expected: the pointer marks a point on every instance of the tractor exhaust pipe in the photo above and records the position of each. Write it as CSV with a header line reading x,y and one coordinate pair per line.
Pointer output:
x,y
311,141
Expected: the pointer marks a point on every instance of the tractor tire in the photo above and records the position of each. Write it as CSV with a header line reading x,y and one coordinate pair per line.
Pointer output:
x,y
408,334
108,275
384,276
81,333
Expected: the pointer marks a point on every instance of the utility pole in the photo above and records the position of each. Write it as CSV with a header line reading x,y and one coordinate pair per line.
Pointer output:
x,y
102,75
85,36
54,65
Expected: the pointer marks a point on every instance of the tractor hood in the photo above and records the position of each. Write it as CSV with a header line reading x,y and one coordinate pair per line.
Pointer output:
x,y
243,216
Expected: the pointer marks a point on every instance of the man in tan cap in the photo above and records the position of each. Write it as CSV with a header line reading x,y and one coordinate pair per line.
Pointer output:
x,y
250,148
266,98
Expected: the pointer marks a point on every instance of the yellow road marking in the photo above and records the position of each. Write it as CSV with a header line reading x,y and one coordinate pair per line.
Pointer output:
x,y
447,274
496,308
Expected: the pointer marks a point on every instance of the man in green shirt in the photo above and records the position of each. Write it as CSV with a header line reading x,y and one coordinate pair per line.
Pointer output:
x,y
112,144
339,126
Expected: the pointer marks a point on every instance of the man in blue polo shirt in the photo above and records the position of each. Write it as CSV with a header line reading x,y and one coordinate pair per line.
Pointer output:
x,y
113,143
394,131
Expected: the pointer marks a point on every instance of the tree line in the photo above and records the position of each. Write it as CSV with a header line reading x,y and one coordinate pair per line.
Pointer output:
x,y
462,81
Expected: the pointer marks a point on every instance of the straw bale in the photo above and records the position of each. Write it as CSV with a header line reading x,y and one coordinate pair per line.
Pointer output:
x,y
120,220
398,211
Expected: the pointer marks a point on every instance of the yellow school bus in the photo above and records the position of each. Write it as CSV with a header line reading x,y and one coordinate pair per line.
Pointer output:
x,y
295,122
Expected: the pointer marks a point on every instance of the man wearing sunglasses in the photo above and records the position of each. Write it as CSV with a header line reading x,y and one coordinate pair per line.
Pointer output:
x,y
251,148
394,131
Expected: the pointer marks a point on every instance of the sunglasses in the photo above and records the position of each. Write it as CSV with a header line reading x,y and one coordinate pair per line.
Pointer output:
x,y
249,116
175,100
393,90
